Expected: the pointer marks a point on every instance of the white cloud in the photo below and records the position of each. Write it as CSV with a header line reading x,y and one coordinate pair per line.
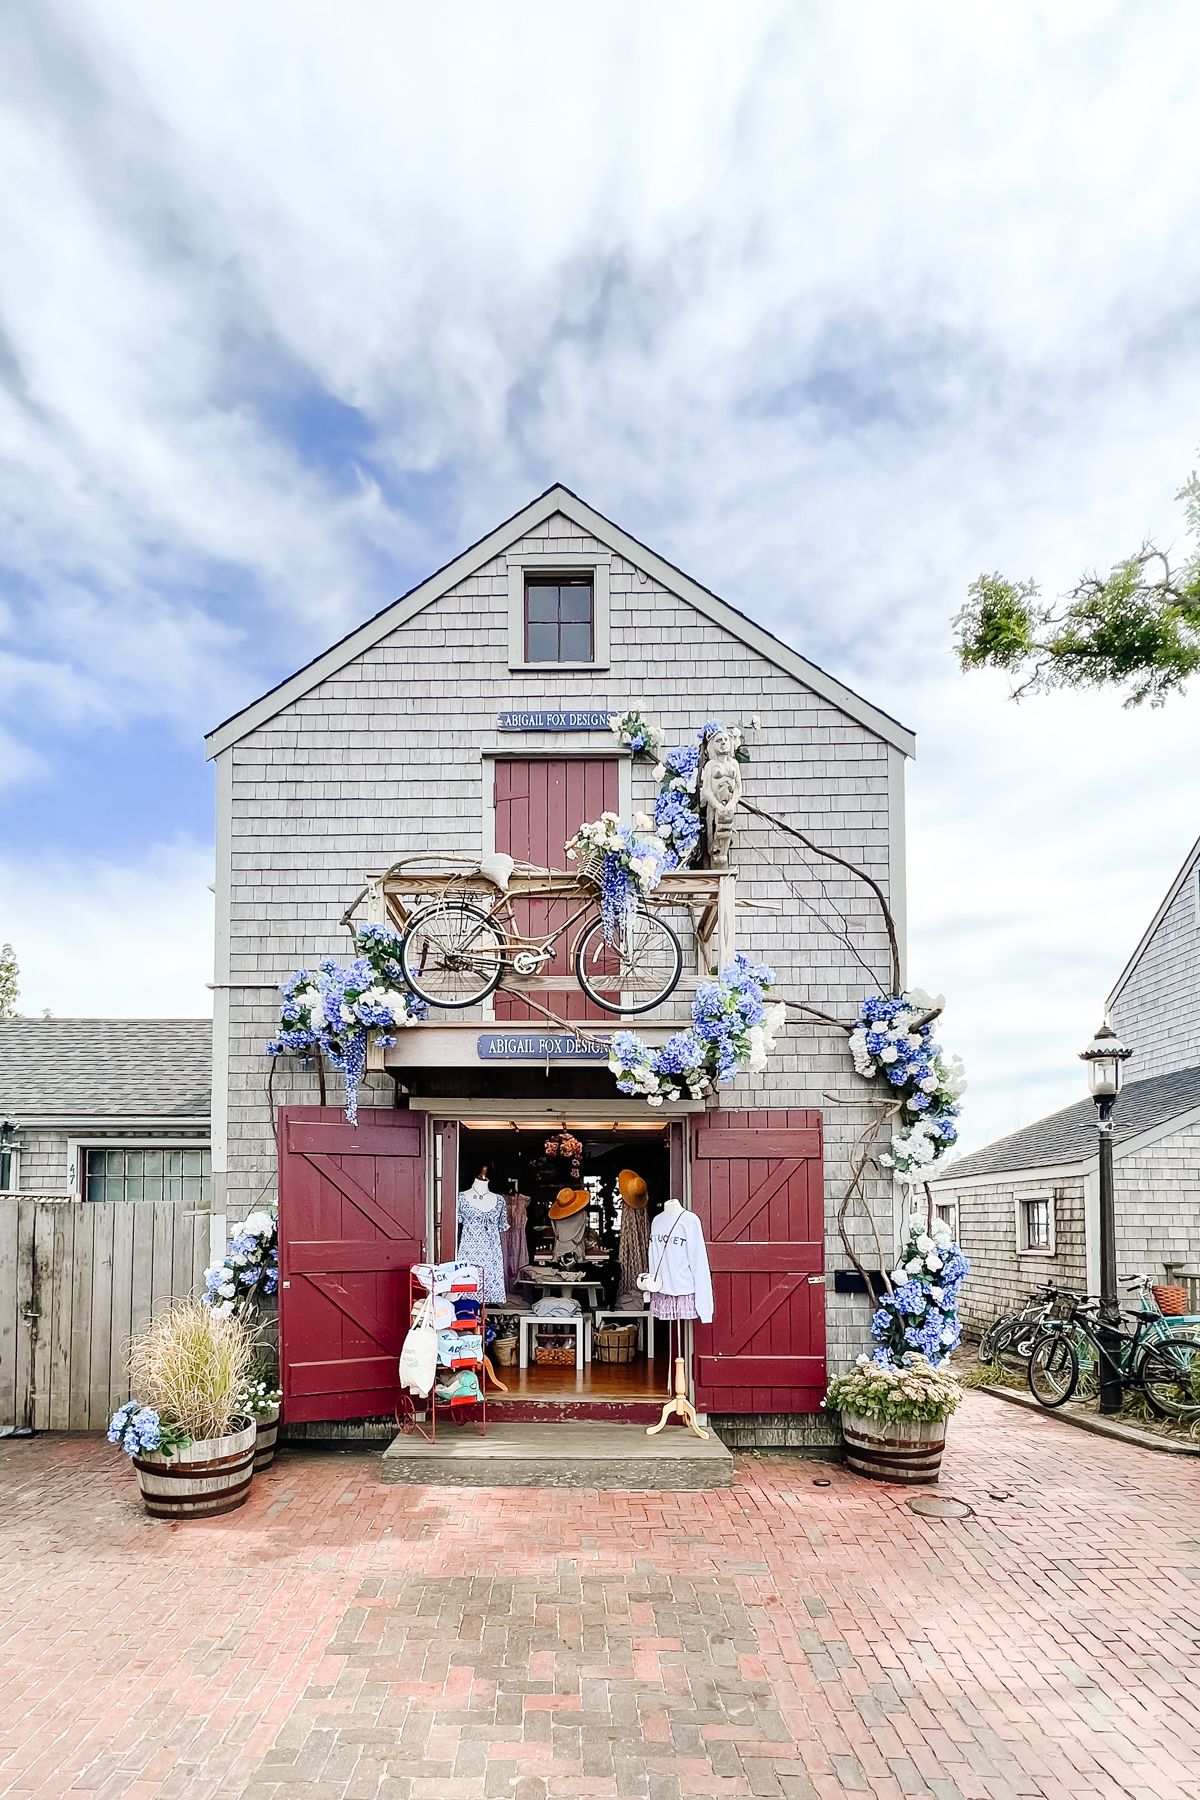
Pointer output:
x,y
836,306
99,939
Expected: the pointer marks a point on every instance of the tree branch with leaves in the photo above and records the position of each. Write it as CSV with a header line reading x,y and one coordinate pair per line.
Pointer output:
x,y
1136,628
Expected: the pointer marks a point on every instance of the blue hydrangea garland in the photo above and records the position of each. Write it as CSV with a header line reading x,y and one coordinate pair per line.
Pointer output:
x,y
733,1030
333,1010
894,1039
677,806
250,1271
920,1315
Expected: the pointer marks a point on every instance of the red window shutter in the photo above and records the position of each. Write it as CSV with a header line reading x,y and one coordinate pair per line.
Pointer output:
x,y
351,1224
758,1187
540,803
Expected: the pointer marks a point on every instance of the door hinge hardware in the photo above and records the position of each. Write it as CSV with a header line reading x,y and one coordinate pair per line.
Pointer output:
x,y
286,1284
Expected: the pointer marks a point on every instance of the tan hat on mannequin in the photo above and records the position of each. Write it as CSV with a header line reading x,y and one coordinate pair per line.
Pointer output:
x,y
568,1201
633,1188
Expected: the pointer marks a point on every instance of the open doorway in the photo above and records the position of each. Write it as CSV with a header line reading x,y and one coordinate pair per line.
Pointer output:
x,y
579,1202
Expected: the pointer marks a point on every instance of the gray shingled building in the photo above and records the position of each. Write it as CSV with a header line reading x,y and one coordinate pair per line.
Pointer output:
x,y
1027,1207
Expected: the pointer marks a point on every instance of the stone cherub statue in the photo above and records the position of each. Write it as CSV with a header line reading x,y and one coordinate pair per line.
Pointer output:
x,y
720,792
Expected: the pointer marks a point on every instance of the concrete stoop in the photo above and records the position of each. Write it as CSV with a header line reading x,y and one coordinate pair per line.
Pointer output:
x,y
559,1454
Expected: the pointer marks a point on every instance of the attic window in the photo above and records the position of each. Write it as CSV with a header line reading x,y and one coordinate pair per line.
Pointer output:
x,y
559,618
557,610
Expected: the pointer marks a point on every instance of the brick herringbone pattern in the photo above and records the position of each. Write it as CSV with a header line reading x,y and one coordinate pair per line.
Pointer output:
x,y
779,1638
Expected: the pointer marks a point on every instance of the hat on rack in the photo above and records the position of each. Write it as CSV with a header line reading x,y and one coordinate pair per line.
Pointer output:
x,y
633,1188
568,1201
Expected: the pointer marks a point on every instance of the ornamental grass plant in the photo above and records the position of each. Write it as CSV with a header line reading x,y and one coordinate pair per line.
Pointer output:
x,y
914,1392
191,1365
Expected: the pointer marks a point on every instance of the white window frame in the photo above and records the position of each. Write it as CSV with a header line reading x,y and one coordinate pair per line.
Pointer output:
x,y
77,1148
950,1206
1050,1201
14,1173
567,562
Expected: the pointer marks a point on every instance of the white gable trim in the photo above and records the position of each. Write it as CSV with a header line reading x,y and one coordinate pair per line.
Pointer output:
x,y
1172,892
558,500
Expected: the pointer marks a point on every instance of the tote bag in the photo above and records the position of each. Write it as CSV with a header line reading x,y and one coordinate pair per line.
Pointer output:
x,y
419,1352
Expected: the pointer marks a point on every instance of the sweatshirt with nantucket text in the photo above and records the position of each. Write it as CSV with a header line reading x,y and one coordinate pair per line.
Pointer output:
x,y
680,1261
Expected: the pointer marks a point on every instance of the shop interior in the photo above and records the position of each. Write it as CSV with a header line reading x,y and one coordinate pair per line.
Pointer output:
x,y
579,1202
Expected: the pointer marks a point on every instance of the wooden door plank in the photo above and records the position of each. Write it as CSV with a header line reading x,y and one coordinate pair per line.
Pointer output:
x,y
42,1303
100,1346
82,1254
63,1228
26,1214
9,1313
121,1300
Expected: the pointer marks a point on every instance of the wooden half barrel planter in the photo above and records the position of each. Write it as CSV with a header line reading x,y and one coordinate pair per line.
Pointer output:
x,y
200,1481
266,1439
894,1449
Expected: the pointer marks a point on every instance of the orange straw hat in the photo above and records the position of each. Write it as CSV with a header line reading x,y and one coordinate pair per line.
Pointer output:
x,y
568,1201
633,1188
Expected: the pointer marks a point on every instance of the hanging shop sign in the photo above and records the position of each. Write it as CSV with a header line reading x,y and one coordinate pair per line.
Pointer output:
x,y
537,1046
578,718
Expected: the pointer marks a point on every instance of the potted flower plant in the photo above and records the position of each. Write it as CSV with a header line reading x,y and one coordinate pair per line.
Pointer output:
x,y
187,1434
262,1400
894,1416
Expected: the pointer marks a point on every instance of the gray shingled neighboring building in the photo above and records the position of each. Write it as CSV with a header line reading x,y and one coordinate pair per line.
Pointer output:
x,y
1027,1206
99,1102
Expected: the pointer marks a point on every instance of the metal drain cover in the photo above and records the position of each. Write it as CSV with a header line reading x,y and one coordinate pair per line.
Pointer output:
x,y
940,1506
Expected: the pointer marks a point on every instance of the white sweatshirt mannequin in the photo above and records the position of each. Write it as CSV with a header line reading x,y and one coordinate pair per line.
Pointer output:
x,y
679,1406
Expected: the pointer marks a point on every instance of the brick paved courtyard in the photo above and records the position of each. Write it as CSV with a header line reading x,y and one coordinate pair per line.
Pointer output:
x,y
778,1638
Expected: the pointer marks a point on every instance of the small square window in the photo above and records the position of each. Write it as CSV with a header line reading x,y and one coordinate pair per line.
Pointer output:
x,y
946,1213
559,619
1036,1223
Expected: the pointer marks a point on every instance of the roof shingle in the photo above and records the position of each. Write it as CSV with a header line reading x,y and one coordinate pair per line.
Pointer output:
x,y
1070,1136
105,1068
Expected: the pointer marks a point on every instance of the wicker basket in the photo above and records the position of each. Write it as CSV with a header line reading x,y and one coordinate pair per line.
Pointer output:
x,y
591,866
504,1349
554,1356
1172,1301
615,1344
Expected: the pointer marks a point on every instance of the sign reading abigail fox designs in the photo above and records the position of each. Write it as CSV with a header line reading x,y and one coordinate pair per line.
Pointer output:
x,y
537,1046
578,718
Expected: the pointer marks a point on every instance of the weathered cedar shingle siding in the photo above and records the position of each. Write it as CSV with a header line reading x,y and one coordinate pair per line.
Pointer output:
x,y
1156,1007
1001,1276
383,759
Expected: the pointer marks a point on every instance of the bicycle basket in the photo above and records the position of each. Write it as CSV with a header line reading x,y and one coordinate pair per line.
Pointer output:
x,y
1062,1308
591,866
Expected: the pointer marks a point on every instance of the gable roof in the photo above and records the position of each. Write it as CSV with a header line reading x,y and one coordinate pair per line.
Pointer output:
x,y
1168,901
77,1069
557,499
1069,1136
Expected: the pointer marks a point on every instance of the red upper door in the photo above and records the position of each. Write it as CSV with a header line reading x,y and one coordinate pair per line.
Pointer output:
x,y
540,803
758,1186
351,1224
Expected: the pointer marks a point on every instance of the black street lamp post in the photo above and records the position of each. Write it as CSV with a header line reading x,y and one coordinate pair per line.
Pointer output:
x,y
1104,1057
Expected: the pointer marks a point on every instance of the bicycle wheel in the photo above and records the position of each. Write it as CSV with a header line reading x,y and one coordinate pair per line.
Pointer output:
x,y
1053,1370
636,973
452,954
996,1339
1169,1376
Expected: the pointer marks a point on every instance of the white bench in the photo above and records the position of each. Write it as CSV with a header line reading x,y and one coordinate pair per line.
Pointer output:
x,y
579,1323
643,1318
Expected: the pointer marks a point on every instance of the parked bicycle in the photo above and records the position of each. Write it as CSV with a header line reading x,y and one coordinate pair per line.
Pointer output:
x,y
1142,1351
456,950
1011,1337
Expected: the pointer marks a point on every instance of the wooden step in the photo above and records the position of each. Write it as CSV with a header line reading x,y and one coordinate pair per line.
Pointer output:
x,y
565,1453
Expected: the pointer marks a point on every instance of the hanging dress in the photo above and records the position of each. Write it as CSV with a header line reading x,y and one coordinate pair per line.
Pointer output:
x,y
479,1229
634,1253
516,1243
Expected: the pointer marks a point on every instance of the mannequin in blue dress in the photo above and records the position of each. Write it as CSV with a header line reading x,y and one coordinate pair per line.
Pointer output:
x,y
482,1216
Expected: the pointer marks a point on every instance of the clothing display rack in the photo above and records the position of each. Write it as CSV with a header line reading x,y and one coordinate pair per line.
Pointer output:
x,y
417,1415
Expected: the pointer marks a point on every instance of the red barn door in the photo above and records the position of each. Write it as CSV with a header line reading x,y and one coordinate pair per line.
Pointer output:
x,y
541,802
351,1224
758,1186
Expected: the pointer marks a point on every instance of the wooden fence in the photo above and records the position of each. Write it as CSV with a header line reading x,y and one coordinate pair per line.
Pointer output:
x,y
77,1279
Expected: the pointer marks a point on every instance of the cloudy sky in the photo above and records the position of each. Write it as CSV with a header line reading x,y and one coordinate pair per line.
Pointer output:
x,y
836,305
